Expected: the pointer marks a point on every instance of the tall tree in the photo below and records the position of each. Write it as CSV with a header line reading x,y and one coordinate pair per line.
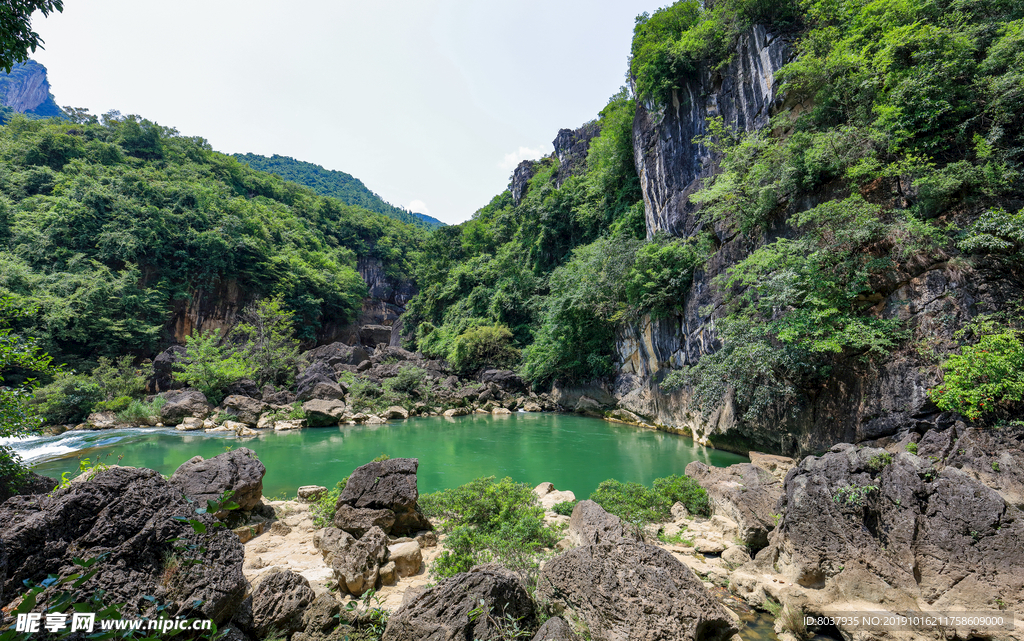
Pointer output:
x,y
16,35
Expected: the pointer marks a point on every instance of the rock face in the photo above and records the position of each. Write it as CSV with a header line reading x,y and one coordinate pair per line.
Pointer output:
x,y
358,521
279,602
744,493
387,485
590,524
555,629
336,354
900,529
630,591
244,408
443,612
128,515
238,470
26,90
318,381
356,563
182,404
571,147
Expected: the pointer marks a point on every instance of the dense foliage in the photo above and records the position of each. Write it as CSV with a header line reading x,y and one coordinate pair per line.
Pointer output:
x,y
639,505
109,228
16,35
336,184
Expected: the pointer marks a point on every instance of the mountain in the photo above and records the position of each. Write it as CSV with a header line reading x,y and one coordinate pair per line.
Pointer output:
x,y
27,91
335,184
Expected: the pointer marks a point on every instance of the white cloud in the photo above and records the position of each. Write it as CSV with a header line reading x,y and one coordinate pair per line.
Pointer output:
x,y
516,157
419,207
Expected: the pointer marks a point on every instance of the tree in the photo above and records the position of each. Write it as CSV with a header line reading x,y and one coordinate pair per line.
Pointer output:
x,y
16,35
267,333
210,367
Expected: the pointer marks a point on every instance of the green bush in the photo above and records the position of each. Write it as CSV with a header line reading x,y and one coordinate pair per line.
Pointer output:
x,y
116,405
683,489
984,376
120,378
138,412
488,520
210,366
660,278
266,333
564,508
638,505
483,346
410,380
324,507
911,448
69,398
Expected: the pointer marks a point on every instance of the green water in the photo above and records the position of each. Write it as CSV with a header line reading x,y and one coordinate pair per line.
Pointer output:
x,y
575,453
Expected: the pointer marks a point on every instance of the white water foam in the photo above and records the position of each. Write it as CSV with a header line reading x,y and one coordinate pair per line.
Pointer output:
x,y
34,449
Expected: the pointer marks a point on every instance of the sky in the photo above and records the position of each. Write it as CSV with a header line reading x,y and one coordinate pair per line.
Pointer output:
x,y
431,103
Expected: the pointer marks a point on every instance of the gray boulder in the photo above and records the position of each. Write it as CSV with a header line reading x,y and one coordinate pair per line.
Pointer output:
x,y
355,562
244,387
590,524
505,379
555,629
323,413
245,409
182,404
127,515
744,493
443,612
629,591
388,485
162,378
336,354
357,521
318,381
374,335
279,601
238,471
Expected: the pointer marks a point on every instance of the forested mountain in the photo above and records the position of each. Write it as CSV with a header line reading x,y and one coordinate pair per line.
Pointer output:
x,y
337,184
121,236
787,232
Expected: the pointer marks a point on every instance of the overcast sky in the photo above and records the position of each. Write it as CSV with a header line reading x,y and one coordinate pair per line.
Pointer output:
x,y
431,103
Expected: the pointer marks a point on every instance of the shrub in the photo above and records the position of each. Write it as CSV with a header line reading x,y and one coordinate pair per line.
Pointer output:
x,y
210,367
636,504
485,345
661,276
683,489
879,461
488,520
983,376
266,332
324,507
138,412
115,405
409,381
564,508
911,448
120,378
69,398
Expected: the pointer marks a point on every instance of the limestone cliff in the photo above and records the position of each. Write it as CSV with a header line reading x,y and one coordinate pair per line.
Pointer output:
x,y
859,401
26,90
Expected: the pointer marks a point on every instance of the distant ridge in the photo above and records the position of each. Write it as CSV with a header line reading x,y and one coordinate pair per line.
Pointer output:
x,y
335,184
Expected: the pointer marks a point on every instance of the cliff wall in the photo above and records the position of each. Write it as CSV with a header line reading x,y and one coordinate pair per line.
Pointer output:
x,y
26,90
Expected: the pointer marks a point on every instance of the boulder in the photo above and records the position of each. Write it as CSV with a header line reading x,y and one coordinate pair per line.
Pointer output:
x,y
190,424
777,466
128,516
278,603
293,424
590,524
318,381
244,387
395,412
395,353
407,557
531,406
505,379
336,354
323,413
320,619
374,335
283,397
589,406
102,420
388,485
458,411
162,379
311,492
550,497
238,471
443,613
745,494
355,562
244,408
500,411
358,521
630,591
182,404
555,629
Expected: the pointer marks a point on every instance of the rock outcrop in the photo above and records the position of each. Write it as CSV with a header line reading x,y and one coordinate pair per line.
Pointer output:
x,y
443,613
183,404
126,517
279,602
237,471
385,485
356,563
26,90
590,524
744,493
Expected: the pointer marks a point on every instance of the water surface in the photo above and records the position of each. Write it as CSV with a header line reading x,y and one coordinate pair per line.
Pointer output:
x,y
573,452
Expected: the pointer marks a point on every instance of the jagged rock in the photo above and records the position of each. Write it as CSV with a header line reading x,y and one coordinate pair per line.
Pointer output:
x,y
320,619
679,511
311,492
365,365
389,573
266,421
189,424
469,394
458,411
744,493
549,496
244,387
777,466
102,420
407,557
632,591
246,533
293,424
443,612
393,352
278,603
532,407
318,381
355,562
358,521
127,514
589,406
245,409
374,334
336,354
590,524
29,484
235,426
426,539
555,629
238,471
283,397
505,379
858,523
182,404
735,555
375,420
388,485
500,411
395,412
162,379
322,413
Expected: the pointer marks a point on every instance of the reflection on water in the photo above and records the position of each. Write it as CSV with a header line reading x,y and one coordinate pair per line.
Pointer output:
x,y
573,452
